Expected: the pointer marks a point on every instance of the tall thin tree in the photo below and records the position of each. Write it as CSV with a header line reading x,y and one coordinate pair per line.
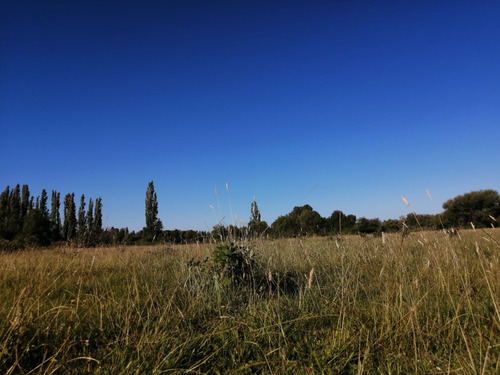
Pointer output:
x,y
26,204
69,225
82,220
154,225
43,204
98,217
254,212
15,222
55,215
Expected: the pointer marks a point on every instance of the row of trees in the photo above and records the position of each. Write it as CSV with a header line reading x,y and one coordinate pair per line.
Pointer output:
x,y
26,220
481,208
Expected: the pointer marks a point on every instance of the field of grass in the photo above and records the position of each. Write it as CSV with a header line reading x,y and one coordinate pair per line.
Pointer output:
x,y
425,304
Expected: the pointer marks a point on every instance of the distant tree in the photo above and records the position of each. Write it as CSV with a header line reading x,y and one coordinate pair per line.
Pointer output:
x,y
14,223
55,215
422,221
154,225
36,229
477,207
43,204
69,226
391,225
90,216
97,225
254,212
26,203
82,221
302,220
366,226
349,224
285,226
256,226
90,236
310,222
4,212
337,222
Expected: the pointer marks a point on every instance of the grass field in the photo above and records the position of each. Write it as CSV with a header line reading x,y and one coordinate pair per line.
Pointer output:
x,y
425,304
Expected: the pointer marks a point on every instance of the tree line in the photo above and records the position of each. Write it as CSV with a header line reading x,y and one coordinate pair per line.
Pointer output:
x,y
25,220
480,209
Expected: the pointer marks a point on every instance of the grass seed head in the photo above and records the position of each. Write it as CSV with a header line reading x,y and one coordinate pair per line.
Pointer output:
x,y
405,201
428,193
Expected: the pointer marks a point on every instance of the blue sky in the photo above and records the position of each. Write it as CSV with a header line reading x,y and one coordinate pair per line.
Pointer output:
x,y
341,105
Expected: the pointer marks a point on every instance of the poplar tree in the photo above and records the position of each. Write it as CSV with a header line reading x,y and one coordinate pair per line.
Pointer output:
x,y
97,225
154,226
14,220
254,213
82,220
256,226
55,215
36,223
26,204
43,204
4,212
69,226
90,216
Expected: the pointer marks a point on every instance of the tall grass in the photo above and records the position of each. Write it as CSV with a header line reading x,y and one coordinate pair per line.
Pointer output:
x,y
342,305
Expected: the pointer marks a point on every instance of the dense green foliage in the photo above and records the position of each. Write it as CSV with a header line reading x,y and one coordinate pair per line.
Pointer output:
x,y
482,208
154,226
343,305
26,222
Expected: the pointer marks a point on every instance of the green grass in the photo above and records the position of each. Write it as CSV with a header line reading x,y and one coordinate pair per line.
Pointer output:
x,y
426,305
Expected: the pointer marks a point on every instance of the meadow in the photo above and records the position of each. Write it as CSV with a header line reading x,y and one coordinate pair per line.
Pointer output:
x,y
427,303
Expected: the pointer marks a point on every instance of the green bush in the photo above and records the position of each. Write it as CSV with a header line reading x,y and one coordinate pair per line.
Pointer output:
x,y
236,263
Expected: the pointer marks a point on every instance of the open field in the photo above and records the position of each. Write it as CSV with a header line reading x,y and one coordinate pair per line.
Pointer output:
x,y
425,304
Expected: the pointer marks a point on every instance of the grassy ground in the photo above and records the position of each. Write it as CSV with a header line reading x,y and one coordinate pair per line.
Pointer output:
x,y
429,304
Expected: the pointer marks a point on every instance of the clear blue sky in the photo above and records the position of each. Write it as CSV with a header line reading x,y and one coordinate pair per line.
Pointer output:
x,y
338,104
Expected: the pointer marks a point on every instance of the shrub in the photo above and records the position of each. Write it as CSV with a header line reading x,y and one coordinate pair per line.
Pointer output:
x,y
236,263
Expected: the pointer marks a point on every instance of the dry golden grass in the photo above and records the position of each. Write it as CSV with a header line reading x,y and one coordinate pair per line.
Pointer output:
x,y
425,304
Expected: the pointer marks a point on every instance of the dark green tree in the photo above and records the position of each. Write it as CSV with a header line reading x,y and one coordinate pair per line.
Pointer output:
x,y
391,225
254,212
302,220
256,226
310,222
422,221
90,216
338,223
4,212
55,215
26,203
69,225
335,222
285,226
43,204
36,229
97,224
477,207
366,226
82,221
14,223
154,226
349,225
90,238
